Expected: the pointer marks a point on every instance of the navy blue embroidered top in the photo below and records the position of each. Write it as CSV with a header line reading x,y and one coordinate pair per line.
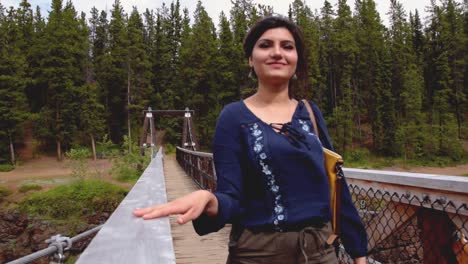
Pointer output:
x,y
266,178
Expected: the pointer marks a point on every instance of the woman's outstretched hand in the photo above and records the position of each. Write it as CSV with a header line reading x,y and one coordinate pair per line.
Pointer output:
x,y
190,207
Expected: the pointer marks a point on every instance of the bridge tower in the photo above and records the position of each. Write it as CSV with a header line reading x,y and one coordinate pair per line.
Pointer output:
x,y
189,139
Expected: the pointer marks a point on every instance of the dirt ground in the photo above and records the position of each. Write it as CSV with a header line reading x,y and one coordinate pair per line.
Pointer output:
x,y
47,172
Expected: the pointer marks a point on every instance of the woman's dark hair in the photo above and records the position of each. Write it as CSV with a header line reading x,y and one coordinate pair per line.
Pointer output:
x,y
269,22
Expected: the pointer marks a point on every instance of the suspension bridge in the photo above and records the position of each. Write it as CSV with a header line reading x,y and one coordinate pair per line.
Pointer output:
x,y
409,217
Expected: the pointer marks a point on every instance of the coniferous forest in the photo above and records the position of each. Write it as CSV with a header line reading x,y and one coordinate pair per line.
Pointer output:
x,y
73,79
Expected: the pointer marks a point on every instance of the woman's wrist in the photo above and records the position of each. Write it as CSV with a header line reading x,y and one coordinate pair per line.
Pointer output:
x,y
360,260
211,208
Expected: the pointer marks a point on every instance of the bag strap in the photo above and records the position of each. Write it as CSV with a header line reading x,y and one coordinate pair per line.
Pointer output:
x,y
338,183
312,116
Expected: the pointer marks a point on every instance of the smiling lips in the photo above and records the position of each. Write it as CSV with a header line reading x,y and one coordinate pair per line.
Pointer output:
x,y
276,64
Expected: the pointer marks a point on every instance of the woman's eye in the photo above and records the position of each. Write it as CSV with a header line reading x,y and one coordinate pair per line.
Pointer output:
x,y
289,47
263,45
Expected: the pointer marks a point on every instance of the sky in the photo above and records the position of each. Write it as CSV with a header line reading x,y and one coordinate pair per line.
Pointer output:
x,y
214,7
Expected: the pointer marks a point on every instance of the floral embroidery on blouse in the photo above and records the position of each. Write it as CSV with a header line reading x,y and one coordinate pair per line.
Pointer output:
x,y
258,147
304,125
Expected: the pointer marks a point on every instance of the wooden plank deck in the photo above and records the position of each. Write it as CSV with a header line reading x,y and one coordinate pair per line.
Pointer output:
x,y
188,246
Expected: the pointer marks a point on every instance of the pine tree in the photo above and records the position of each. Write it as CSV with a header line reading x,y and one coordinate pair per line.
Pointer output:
x,y
116,88
240,19
13,107
36,90
92,121
203,85
62,70
454,38
327,82
301,14
417,35
138,73
439,86
226,77
344,56
370,72
186,58
102,62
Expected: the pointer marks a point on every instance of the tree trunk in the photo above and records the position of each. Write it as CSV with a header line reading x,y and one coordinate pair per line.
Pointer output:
x,y
93,145
59,150
57,118
128,112
12,151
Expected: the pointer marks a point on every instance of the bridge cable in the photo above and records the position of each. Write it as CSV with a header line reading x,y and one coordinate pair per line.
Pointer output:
x,y
58,244
189,128
151,134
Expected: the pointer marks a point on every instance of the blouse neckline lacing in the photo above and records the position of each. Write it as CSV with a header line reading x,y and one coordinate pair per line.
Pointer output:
x,y
296,110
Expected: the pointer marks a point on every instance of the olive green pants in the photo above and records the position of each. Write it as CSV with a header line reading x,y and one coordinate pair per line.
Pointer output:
x,y
305,246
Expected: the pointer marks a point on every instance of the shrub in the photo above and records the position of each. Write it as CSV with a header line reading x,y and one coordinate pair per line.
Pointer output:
x,y
6,167
77,162
77,199
357,155
106,149
4,192
28,187
169,148
129,166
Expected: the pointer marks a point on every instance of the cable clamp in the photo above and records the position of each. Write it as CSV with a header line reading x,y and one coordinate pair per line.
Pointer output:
x,y
57,242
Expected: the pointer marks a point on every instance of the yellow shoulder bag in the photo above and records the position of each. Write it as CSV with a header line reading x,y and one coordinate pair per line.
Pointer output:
x,y
333,167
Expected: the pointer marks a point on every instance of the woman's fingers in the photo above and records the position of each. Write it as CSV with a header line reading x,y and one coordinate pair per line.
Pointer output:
x,y
155,213
191,214
142,211
175,207
190,207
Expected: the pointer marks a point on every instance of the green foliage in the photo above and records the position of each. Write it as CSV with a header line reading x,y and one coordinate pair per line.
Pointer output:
x,y
91,112
129,166
77,161
169,149
13,106
74,200
357,155
29,187
399,91
106,149
6,167
4,192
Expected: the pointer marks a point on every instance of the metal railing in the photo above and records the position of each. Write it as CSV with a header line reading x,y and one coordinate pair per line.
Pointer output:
x,y
409,217
58,245
128,239
199,165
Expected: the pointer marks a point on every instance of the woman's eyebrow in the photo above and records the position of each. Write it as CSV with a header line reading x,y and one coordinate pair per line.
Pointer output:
x,y
287,41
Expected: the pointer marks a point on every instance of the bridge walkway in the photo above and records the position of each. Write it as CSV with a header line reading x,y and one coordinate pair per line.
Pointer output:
x,y
189,247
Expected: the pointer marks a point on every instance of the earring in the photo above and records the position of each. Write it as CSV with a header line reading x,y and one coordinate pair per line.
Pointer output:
x,y
294,77
252,74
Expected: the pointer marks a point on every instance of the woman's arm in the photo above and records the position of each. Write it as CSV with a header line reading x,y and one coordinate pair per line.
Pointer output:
x,y
353,233
361,260
210,211
227,145
190,206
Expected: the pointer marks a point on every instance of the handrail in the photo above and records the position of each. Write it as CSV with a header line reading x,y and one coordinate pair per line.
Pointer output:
x,y
409,217
129,239
198,153
199,166
429,181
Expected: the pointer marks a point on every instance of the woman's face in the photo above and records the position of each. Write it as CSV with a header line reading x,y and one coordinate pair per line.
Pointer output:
x,y
274,56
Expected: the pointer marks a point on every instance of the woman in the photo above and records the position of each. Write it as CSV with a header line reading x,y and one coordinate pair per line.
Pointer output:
x,y
272,185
